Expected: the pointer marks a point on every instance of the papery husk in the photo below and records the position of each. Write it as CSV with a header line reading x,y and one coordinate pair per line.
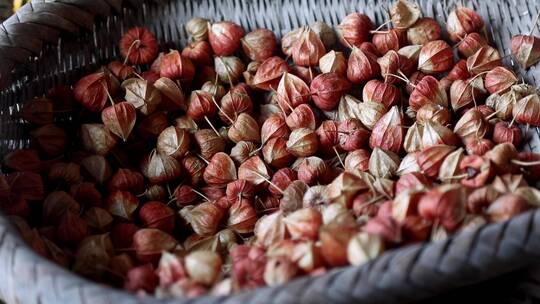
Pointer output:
x,y
383,163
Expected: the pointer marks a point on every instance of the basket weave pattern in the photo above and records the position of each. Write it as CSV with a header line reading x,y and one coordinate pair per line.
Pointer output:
x,y
407,274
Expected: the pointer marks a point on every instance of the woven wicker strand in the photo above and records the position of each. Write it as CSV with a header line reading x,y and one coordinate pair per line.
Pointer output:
x,y
402,275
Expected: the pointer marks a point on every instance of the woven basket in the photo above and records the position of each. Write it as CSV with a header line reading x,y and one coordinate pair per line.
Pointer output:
x,y
55,41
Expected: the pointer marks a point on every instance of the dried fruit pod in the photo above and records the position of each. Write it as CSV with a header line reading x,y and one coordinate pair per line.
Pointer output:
x,y
459,71
142,95
499,80
434,113
392,39
435,57
364,247
383,163
154,214
91,90
194,168
434,133
292,92
197,28
479,171
428,91
471,43
152,125
381,92
347,108
98,168
527,110
327,90
292,196
478,146
229,69
149,243
281,179
308,49
302,142
408,164
242,151
315,197
97,138
361,66
370,113
220,170
24,160
333,62
304,224
120,70
404,13
269,73
242,216
411,52
255,171
235,102
244,128
446,204
471,125
414,181
274,127
67,172
201,105
334,241
328,136
259,44
413,138
270,229
160,168
464,93
39,111
203,266
139,46
203,218
501,156
392,63
357,160
352,135
312,170
423,31
302,117
98,218
173,141
172,96
484,60
122,204
176,67
275,153
506,207
225,37
354,29
431,158
198,52
505,133
92,255
463,21
120,119
289,41
387,133
525,50
450,168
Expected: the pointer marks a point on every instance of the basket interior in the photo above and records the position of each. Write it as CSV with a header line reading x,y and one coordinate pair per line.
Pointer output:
x,y
84,51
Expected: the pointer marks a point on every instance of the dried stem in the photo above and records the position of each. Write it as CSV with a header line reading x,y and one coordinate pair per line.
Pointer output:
x,y
339,157
201,194
268,181
135,42
534,23
524,163
212,126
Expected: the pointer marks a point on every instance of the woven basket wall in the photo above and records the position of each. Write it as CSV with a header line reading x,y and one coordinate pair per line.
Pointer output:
x,y
89,31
